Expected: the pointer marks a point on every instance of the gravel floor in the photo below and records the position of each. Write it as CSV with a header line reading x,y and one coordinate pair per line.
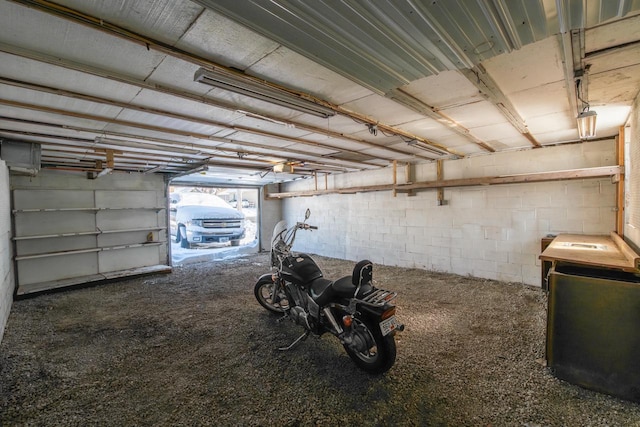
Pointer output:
x,y
195,348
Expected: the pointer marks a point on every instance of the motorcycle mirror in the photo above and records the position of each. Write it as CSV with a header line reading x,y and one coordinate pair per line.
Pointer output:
x,y
307,214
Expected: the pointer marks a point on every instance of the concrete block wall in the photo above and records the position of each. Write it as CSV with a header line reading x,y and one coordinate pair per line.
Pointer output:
x,y
632,215
6,266
490,232
270,215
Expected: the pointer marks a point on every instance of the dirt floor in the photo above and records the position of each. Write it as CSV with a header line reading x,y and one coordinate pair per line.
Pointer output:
x,y
195,348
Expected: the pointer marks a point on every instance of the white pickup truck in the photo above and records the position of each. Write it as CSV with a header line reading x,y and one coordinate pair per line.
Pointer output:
x,y
200,218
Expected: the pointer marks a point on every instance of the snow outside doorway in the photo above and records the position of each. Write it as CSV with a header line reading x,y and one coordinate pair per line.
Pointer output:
x,y
240,200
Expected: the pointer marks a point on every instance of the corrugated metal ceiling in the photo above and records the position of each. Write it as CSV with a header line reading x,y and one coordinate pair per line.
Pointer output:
x,y
461,77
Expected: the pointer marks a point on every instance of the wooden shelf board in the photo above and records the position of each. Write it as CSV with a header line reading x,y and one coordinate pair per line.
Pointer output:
x,y
84,251
57,284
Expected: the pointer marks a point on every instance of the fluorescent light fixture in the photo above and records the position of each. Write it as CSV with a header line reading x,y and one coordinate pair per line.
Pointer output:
x,y
254,89
198,169
421,145
587,124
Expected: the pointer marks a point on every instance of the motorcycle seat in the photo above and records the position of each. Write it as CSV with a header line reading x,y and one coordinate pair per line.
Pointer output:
x,y
323,291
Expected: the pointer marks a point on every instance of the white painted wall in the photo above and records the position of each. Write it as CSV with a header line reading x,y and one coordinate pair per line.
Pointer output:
x,y
270,215
490,232
632,216
123,212
6,266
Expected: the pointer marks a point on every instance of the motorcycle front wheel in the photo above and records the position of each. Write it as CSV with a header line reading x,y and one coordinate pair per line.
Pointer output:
x,y
269,297
373,352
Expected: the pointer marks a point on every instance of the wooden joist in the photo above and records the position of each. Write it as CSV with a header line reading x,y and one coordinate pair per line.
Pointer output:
x,y
597,172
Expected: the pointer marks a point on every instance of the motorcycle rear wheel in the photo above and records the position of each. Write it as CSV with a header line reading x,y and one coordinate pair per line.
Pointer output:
x,y
381,354
263,291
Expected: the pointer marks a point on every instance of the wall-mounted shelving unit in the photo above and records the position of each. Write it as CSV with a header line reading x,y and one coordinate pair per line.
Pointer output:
x,y
69,236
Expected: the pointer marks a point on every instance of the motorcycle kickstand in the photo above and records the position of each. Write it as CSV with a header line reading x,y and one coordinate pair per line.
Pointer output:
x,y
296,342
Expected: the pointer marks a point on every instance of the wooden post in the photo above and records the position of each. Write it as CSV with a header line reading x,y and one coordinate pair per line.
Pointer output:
x,y
409,175
110,159
395,177
440,177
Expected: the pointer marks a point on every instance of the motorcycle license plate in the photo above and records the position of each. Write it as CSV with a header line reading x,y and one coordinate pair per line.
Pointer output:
x,y
389,325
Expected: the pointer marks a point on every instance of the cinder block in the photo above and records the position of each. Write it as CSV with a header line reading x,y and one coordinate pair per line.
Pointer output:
x,y
495,233
510,269
499,256
531,275
484,265
440,263
521,258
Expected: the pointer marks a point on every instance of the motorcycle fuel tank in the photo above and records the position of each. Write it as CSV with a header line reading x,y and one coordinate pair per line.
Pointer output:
x,y
301,269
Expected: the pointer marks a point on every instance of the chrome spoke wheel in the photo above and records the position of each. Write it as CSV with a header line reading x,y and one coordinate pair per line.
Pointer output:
x,y
271,298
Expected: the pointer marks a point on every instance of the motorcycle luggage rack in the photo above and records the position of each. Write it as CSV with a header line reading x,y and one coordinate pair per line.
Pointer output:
x,y
380,297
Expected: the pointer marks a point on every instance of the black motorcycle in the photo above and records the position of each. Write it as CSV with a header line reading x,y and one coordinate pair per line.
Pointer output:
x,y
351,308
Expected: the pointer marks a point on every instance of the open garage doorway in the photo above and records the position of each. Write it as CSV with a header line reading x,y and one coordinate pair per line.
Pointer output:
x,y
212,223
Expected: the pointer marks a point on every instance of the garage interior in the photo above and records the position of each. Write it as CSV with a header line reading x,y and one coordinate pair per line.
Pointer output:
x,y
492,140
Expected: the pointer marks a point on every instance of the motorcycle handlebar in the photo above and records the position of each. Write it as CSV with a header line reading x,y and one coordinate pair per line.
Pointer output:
x,y
304,226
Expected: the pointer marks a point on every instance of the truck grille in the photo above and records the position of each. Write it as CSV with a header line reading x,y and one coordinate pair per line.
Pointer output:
x,y
222,223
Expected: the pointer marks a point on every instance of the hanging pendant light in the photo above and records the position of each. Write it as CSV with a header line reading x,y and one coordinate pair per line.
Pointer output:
x,y
587,124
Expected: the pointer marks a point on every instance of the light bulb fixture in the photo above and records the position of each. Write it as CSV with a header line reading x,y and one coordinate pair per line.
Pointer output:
x,y
247,86
587,124
283,167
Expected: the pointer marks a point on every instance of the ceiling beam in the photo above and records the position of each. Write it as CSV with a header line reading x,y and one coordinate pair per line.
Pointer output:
x,y
132,124
113,76
409,101
177,148
165,113
596,172
320,166
479,77
114,30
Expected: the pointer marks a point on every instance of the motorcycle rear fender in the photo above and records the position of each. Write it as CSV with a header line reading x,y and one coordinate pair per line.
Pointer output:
x,y
372,311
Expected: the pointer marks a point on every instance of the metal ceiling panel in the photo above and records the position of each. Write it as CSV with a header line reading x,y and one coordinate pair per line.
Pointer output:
x,y
626,31
164,20
613,86
430,127
447,89
156,100
443,66
27,116
218,38
501,136
533,66
56,103
302,73
62,39
163,122
384,109
30,71
385,45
